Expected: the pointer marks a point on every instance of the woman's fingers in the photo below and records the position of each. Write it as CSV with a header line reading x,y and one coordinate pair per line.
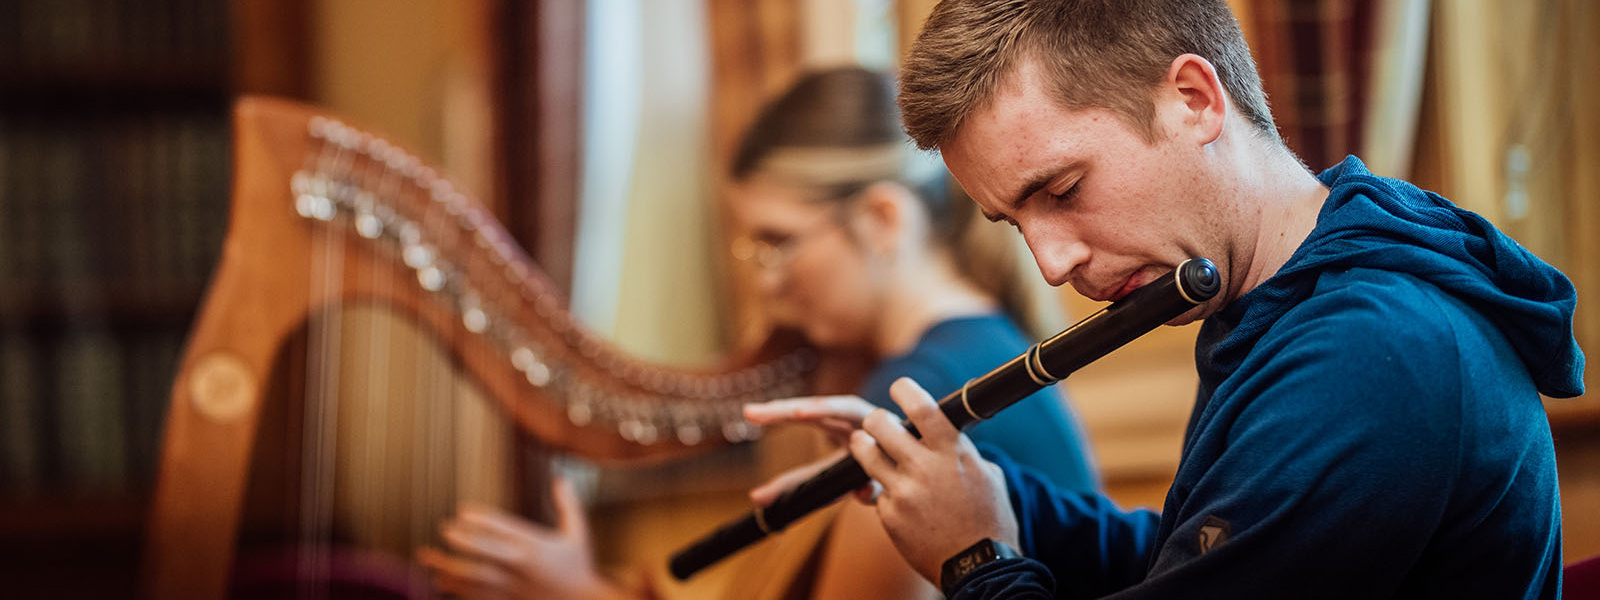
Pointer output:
x,y
846,409
569,510
479,545
765,493
487,520
462,575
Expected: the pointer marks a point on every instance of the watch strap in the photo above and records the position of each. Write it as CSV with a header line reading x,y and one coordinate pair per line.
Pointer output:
x,y
966,561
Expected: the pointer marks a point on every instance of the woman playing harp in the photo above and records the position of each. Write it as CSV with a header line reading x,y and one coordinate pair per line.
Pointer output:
x,y
306,450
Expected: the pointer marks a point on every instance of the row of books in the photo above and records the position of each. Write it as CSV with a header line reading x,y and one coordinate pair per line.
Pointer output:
x,y
114,38
82,406
100,213
114,176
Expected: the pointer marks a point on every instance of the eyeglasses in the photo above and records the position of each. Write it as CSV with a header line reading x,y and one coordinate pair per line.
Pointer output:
x,y
769,254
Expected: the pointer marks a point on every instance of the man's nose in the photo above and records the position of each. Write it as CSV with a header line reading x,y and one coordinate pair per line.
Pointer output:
x,y
1057,254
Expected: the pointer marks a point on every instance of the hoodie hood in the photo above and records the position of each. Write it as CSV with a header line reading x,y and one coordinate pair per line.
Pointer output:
x,y
1381,223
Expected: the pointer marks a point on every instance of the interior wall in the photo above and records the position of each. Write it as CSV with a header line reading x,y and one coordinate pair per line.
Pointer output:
x,y
410,69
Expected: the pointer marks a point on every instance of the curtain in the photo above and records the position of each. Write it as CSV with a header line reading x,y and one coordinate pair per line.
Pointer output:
x,y
1315,58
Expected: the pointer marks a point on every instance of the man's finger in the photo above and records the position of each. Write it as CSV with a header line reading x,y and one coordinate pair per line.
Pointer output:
x,y
868,494
923,411
892,438
878,466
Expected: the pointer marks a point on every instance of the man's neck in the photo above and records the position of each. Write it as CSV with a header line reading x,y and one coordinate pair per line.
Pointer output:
x,y
1285,199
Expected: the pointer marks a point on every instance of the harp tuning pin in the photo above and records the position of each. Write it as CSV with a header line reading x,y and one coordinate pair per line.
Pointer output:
x,y
579,414
475,319
637,431
733,431
314,207
303,205
417,256
689,434
409,235
522,358
368,225
648,434
431,279
538,374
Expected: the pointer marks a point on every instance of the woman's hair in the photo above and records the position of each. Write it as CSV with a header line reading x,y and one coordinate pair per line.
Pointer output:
x,y
838,131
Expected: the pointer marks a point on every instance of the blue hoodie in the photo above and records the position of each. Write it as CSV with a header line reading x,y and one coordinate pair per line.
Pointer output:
x,y
1368,425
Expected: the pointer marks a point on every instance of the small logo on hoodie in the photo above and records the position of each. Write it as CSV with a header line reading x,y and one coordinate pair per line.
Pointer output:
x,y
1213,532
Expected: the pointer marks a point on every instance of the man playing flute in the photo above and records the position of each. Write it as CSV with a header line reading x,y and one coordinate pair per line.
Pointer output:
x,y
1368,423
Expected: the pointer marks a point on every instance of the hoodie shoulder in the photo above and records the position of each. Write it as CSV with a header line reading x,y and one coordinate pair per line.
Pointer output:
x,y
1372,222
1419,329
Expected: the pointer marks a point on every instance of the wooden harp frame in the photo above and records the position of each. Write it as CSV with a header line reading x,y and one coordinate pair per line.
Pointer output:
x,y
296,171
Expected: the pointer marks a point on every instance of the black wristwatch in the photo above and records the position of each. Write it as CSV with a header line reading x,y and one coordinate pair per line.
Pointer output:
x,y
982,553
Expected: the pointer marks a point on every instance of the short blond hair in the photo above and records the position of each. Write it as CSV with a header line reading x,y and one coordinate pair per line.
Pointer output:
x,y
1096,53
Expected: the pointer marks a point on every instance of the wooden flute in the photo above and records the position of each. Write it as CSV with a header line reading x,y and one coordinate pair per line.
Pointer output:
x,y
1195,281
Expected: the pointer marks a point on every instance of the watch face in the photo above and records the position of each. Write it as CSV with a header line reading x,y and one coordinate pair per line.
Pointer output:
x,y
970,562
976,555
967,562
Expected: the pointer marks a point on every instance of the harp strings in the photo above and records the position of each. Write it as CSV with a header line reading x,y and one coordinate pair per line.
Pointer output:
x,y
390,483
321,395
372,482
383,440
334,165
435,404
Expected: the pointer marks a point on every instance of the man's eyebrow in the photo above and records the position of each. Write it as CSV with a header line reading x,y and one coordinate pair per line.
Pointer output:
x,y
1036,183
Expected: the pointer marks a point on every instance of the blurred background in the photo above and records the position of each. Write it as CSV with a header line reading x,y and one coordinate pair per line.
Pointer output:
x,y
596,131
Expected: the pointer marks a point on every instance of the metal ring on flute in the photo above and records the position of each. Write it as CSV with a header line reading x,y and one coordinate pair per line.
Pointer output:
x,y
968,405
761,521
1181,291
1038,363
1030,363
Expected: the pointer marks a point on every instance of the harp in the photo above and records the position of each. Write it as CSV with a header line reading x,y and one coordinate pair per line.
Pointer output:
x,y
318,209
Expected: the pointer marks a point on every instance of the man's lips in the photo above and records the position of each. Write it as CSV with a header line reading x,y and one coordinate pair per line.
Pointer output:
x,y
1109,294
1133,282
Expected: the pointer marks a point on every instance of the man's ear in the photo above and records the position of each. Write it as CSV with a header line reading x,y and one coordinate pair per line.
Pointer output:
x,y
1197,101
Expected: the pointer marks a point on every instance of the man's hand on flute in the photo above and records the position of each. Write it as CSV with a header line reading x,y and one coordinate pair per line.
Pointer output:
x,y
938,496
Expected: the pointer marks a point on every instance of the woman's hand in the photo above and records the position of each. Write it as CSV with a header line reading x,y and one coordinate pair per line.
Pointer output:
x,y
837,416
494,554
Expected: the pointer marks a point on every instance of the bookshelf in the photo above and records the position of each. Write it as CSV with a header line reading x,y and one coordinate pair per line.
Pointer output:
x,y
114,184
